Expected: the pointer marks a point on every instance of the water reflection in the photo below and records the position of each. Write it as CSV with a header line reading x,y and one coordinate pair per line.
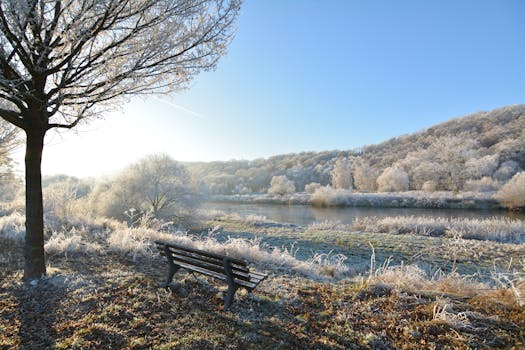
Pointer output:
x,y
304,215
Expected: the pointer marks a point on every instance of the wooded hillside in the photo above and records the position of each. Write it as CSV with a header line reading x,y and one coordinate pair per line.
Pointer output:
x,y
478,152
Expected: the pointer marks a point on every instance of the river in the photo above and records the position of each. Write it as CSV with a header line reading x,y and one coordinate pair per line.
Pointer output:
x,y
304,215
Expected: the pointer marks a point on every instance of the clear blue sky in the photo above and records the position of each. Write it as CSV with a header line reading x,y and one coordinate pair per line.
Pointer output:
x,y
319,75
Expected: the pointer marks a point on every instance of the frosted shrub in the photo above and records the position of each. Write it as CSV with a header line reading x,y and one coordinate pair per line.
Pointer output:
x,y
485,184
280,185
393,179
512,194
413,278
134,241
326,225
312,187
255,219
329,197
59,199
330,265
492,229
69,243
12,227
404,277
429,186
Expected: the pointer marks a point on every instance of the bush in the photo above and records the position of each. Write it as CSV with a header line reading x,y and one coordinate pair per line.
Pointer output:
x,y
312,187
485,184
12,227
280,185
512,194
330,197
429,186
393,179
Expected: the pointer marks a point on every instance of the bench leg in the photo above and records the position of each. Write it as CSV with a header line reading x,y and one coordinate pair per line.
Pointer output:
x,y
171,272
230,295
172,268
232,288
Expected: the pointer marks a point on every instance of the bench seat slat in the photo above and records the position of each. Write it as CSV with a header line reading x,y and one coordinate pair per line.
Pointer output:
x,y
206,259
247,284
206,265
250,276
198,251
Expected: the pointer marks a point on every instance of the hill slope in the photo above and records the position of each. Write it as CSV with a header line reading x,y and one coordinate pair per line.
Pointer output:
x,y
476,152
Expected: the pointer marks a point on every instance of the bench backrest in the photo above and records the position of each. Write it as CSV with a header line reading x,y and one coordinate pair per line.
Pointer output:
x,y
211,263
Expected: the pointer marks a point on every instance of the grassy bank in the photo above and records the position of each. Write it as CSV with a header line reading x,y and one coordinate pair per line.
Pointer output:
x,y
343,198
102,292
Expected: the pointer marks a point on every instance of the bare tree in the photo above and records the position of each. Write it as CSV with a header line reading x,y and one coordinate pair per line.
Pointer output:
x,y
156,184
64,61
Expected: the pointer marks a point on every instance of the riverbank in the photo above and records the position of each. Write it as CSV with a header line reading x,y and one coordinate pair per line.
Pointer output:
x,y
411,199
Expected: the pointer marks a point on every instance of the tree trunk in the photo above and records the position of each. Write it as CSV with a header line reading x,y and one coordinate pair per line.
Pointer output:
x,y
35,265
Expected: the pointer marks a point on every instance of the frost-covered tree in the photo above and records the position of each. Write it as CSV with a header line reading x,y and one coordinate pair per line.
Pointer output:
x,y
512,194
485,184
65,61
393,179
280,185
256,178
342,174
452,152
477,168
365,177
507,170
156,184
426,172
300,175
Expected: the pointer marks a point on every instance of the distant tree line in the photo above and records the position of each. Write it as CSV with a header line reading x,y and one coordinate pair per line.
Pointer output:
x,y
480,152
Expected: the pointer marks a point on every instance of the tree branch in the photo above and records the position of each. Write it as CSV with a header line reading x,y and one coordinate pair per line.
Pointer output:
x,y
12,117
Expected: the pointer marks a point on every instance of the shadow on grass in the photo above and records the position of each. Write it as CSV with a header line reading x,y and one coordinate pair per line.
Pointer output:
x,y
37,309
193,310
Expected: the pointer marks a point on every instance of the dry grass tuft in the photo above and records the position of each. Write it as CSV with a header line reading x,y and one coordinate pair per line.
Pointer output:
x,y
492,229
12,227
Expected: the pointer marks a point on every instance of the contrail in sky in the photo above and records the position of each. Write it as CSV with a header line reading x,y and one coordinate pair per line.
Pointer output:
x,y
179,107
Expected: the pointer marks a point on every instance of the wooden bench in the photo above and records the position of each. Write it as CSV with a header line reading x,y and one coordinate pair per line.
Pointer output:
x,y
234,272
